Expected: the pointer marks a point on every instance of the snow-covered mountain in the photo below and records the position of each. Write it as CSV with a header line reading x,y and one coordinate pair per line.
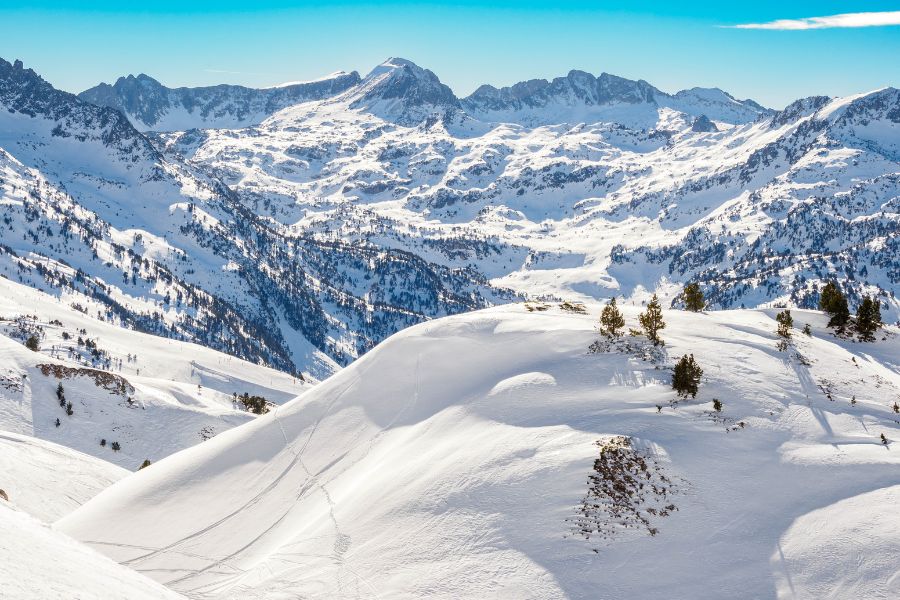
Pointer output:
x,y
580,97
760,209
516,452
166,248
149,105
303,240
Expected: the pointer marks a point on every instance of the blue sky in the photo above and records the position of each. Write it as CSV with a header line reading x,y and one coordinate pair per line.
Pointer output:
x,y
673,45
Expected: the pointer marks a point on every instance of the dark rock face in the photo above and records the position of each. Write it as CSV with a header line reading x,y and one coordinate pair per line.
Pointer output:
x,y
24,91
702,124
577,85
147,102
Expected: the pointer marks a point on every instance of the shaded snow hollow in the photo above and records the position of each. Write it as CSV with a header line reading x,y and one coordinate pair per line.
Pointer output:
x,y
449,462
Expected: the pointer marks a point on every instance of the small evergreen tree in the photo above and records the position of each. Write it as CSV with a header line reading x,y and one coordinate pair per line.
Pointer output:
x,y
57,422
103,443
611,319
868,318
717,405
115,446
693,298
785,323
32,343
258,405
686,378
807,329
145,464
69,410
652,320
834,303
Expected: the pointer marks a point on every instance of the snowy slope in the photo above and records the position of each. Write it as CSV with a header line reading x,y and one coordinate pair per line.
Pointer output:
x,y
38,563
453,461
154,396
47,480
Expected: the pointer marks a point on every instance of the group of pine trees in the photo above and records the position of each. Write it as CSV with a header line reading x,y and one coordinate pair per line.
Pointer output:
x,y
687,374
612,321
63,403
868,314
258,405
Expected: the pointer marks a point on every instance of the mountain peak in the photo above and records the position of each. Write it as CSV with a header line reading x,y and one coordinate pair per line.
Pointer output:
x,y
400,90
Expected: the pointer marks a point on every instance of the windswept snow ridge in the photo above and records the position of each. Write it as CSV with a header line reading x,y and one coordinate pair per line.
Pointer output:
x,y
453,459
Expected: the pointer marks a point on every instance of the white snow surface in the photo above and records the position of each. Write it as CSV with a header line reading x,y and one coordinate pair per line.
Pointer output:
x,y
47,480
38,563
446,462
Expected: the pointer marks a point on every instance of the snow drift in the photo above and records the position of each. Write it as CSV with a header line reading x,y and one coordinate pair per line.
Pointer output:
x,y
454,461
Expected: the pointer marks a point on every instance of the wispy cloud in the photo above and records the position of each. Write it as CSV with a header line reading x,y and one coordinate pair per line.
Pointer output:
x,y
846,20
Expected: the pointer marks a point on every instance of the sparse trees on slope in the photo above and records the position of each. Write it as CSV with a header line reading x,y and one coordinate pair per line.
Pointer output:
x,y
32,343
611,319
868,318
686,378
834,303
785,323
693,298
255,404
652,321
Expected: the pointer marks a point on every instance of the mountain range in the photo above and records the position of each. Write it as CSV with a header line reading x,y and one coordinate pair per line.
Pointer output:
x,y
299,225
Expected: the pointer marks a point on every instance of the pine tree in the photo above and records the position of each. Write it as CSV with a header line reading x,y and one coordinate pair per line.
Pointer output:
x,y
57,422
834,303
693,298
145,464
32,343
611,319
652,321
785,322
868,318
686,378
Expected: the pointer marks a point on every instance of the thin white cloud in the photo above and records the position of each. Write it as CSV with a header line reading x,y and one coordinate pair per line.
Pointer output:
x,y
846,20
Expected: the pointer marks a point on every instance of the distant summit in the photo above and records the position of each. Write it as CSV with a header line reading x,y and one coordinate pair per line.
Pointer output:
x,y
152,106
